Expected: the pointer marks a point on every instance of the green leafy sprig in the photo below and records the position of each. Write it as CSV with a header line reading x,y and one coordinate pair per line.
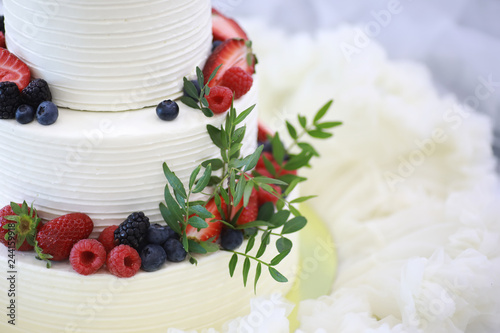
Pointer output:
x,y
26,222
232,184
197,100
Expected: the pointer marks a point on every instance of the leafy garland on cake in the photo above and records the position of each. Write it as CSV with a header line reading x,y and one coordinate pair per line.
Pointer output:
x,y
233,184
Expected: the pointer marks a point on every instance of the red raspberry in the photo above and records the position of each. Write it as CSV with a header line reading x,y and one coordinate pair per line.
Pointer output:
x,y
265,196
238,80
123,261
220,99
87,256
107,237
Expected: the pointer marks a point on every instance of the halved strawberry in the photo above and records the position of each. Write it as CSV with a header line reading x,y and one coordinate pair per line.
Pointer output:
x,y
231,53
249,212
265,196
214,225
225,28
263,132
57,237
14,70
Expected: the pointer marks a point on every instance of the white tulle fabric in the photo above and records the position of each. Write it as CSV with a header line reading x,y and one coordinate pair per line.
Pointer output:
x,y
407,187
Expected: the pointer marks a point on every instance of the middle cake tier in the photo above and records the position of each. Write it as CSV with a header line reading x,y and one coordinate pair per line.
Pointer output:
x,y
107,164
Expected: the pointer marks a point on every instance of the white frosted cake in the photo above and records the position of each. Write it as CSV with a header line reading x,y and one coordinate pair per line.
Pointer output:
x,y
109,63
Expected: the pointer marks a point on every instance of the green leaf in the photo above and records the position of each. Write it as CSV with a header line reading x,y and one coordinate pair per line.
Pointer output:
x,y
215,135
239,134
190,89
294,225
169,219
306,147
248,192
200,211
249,162
280,218
254,224
277,276
214,180
292,131
207,112
298,161
240,190
270,166
266,212
235,150
294,211
303,199
232,264
258,272
250,243
243,115
174,181
302,121
263,244
193,261
266,180
185,242
278,149
210,246
246,269
319,134
213,74
200,77
194,174
329,124
216,163
204,101
172,205
197,222
321,113
276,260
195,247
283,244
204,180
16,209
190,102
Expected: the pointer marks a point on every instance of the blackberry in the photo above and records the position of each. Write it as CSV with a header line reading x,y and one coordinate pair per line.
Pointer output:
x,y
10,99
133,230
36,92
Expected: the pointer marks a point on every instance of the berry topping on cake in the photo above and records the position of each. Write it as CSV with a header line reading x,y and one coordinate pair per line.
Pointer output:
x,y
47,113
13,70
133,231
249,212
36,92
153,256
87,256
174,250
231,239
123,261
159,234
10,99
2,40
264,133
225,28
107,237
232,53
239,81
23,222
216,44
265,196
196,85
56,238
167,110
25,114
214,225
220,99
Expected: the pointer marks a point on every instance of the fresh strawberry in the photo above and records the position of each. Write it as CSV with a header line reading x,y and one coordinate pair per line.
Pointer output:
x,y
265,196
57,237
107,237
25,222
249,212
231,53
2,40
220,99
279,170
263,133
214,225
225,28
87,256
14,70
239,81
123,261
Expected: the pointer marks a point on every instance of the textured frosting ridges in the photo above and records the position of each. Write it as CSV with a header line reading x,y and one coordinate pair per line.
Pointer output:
x,y
107,164
180,295
110,55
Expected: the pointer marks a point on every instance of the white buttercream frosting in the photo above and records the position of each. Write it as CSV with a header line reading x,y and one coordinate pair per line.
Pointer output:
x,y
110,55
107,164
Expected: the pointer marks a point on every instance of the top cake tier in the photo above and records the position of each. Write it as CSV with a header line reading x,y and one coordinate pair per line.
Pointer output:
x,y
110,55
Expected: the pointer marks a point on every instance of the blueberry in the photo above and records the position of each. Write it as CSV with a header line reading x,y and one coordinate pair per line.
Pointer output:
x,y
47,113
175,251
25,114
153,256
196,85
216,44
231,239
268,147
167,110
158,234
